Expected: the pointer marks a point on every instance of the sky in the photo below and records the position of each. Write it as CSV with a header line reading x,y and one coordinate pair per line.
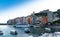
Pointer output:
x,y
10,9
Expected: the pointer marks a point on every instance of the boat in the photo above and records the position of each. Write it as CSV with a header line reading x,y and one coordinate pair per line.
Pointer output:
x,y
27,30
13,32
21,25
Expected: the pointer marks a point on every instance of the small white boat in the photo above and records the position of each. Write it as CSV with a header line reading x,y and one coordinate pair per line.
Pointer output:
x,y
27,30
13,32
21,25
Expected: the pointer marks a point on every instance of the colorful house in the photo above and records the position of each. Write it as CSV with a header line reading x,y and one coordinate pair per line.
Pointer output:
x,y
44,19
17,20
28,19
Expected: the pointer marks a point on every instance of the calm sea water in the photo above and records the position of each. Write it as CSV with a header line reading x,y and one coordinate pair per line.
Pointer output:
x,y
7,28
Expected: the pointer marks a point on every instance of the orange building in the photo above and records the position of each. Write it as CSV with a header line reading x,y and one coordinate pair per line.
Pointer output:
x,y
29,20
44,19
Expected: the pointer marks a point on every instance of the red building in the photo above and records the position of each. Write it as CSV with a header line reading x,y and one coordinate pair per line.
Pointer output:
x,y
44,19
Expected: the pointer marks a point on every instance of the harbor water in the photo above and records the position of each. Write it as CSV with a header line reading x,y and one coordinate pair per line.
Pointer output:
x,y
7,28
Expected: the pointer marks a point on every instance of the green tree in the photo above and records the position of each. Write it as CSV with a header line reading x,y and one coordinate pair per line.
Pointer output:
x,y
58,12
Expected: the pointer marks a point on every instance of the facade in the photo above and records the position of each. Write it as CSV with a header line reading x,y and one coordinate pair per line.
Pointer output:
x,y
55,16
20,20
34,18
44,19
50,15
11,22
23,20
43,16
17,20
28,20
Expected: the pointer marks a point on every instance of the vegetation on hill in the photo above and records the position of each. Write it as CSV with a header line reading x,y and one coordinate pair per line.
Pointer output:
x,y
57,21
